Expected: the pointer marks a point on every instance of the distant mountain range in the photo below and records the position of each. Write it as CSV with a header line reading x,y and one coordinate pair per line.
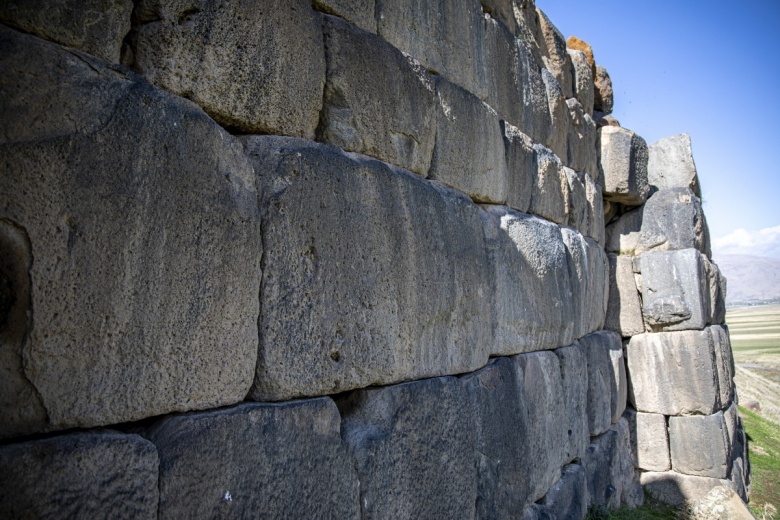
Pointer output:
x,y
750,279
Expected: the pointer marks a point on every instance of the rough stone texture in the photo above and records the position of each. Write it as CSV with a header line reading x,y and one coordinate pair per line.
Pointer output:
x,y
445,36
607,383
588,271
143,228
596,203
501,10
568,498
533,306
724,363
673,219
623,165
624,312
687,438
93,26
576,44
721,503
413,448
554,55
558,139
578,211
538,512
574,375
357,12
716,283
623,232
469,152
603,119
521,167
237,60
673,373
549,195
670,164
256,460
649,440
582,138
604,100
410,299
675,488
583,79
79,475
609,469
675,290
376,102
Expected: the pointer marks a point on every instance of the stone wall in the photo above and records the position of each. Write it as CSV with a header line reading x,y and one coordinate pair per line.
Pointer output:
x,y
337,259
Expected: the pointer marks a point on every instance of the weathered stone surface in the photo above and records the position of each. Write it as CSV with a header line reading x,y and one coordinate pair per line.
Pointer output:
x,y
673,219
596,203
568,498
609,469
532,306
623,232
501,10
144,282
607,384
558,139
582,138
574,376
521,167
554,55
538,512
624,312
588,272
716,283
604,100
603,119
259,460
409,300
94,26
724,363
445,36
550,191
79,475
211,54
576,44
675,488
670,164
376,102
675,291
413,448
357,12
649,440
721,503
583,79
673,373
577,209
623,165
469,152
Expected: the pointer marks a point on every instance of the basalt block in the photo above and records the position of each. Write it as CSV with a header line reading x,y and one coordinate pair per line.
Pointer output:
x,y
409,300
624,312
670,164
260,460
143,282
607,383
210,54
377,102
649,440
623,165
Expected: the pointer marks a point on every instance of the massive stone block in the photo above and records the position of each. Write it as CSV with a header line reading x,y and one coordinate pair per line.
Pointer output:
x,y
550,192
624,312
623,165
553,49
79,475
521,167
676,489
413,448
410,299
501,10
673,373
584,210
469,152
558,139
533,305
649,440
94,26
699,445
141,219
607,384
716,283
670,164
584,89
581,140
568,498
675,290
724,363
604,99
259,460
673,219
357,12
446,36
376,101
574,379
237,60
588,271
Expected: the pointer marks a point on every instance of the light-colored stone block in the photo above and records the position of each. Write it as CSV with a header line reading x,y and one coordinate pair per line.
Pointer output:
x,y
675,488
552,45
623,232
584,89
624,312
607,383
604,100
376,102
550,191
623,165
673,219
558,138
649,440
670,164
721,503
582,140
588,275
237,60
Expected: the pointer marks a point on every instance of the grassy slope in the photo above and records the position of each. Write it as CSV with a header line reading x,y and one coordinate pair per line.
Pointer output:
x,y
764,442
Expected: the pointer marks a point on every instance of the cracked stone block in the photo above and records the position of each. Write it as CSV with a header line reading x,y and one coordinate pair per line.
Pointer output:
x,y
623,165
584,205
670,164
649,440
624,312
724,362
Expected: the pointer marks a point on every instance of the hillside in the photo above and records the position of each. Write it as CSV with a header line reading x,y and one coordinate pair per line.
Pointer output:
x,y
750,278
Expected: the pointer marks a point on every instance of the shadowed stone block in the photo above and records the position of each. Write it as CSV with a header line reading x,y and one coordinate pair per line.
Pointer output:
x,y
550,192
79,475
670,164
357,12
675,488
623,165
144,233
568,498
675,291
717,288
584,89
604,99
607,385
581,140
237,60
376,101
609,469
649,440
409,300
624,312
673,219
469,152
588,271
558,139
413,448
501,10
521,168
623,233
94,26
574,376
260,460
724,363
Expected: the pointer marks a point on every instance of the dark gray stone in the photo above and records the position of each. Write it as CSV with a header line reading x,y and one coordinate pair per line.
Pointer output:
x,y
604,100
623,165
521,168
552,45
724,363
584,88
550,193
582,140
588,273
568,498
670,164
607,384
256,460
357,12
673,219
574,381
558,139
623,232
624,312
649,440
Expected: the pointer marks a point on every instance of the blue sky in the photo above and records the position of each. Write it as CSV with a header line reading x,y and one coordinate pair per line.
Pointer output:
x,y
708,68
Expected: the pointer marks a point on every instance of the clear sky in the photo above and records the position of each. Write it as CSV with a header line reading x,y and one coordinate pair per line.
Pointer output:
x,y
708,68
